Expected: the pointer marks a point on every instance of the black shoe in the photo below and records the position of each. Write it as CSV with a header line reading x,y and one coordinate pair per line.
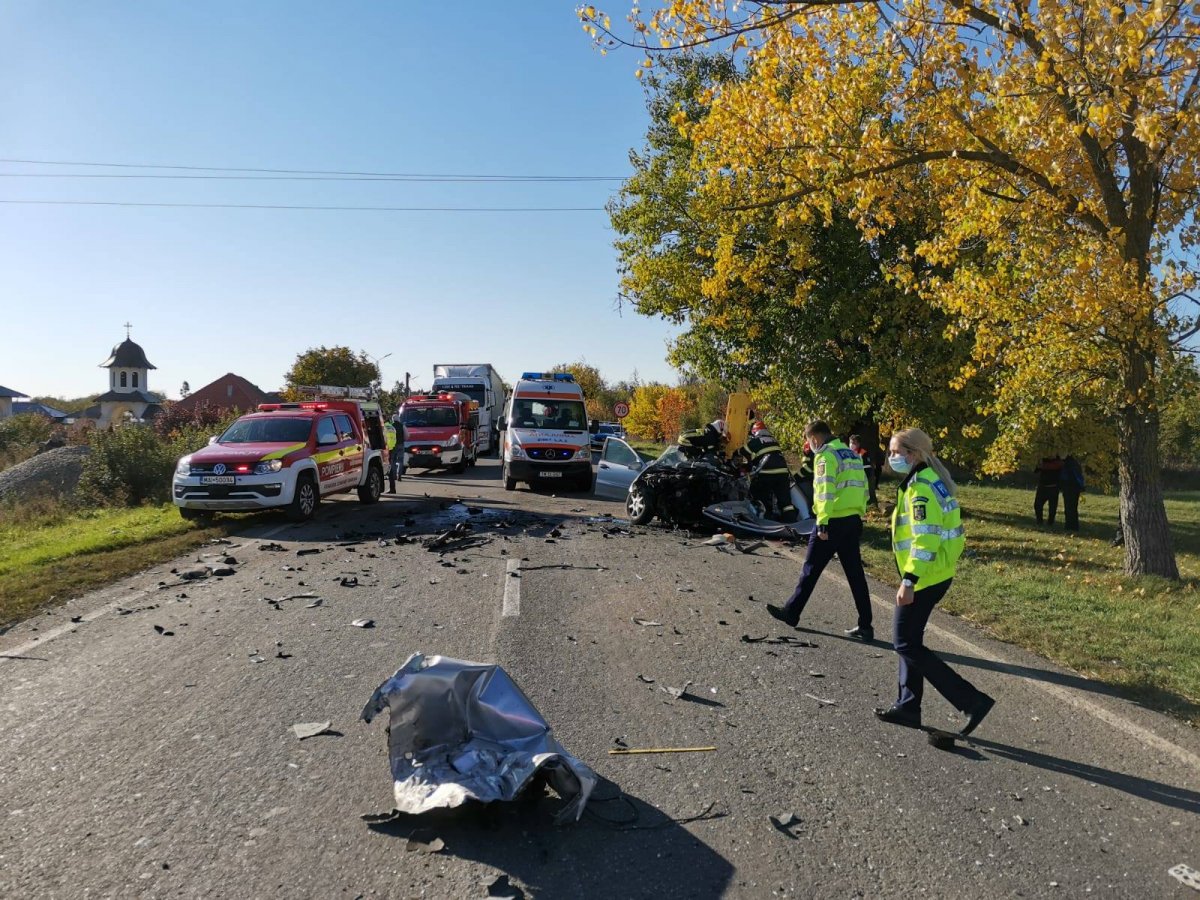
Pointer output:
x,y
866,635
778,613
897,715
391,490
976,713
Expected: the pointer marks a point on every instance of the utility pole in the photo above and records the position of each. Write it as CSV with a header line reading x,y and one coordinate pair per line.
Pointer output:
x,y
407,377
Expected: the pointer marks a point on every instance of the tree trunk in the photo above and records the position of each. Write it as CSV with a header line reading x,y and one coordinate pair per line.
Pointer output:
x,y
1149,549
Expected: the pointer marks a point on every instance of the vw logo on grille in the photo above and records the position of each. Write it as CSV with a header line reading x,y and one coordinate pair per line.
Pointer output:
x,y
219,469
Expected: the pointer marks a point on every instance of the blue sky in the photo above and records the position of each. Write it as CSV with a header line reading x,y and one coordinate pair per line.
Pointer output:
x,y
349,86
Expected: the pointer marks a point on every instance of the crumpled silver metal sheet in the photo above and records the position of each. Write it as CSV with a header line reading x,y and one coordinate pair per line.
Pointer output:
x,y
464,731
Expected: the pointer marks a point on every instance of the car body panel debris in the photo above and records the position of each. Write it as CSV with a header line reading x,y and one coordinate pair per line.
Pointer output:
x,y
363,623
310,729
1185,875
464,731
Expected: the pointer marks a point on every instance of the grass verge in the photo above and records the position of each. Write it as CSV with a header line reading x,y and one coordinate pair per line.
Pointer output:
x,y
1063,595
53,553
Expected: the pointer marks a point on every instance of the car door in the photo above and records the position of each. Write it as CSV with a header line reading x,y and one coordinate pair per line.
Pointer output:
x,y
329,456
619,465
352,450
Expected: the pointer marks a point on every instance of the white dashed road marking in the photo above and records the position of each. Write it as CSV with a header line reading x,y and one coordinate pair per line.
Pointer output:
x,y
512,589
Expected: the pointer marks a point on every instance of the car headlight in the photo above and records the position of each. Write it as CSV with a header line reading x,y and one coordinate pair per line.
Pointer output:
x,y
583,453
183,468
517,452
453,442
268,466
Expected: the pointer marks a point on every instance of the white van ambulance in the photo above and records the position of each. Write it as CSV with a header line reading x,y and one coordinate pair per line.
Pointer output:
x,y
546,434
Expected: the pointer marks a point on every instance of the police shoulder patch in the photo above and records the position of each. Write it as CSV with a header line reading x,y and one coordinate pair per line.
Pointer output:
x,y
821,465
919,510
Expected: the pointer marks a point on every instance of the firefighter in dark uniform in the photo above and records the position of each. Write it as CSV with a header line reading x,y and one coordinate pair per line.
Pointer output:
x,y
709,439
770,479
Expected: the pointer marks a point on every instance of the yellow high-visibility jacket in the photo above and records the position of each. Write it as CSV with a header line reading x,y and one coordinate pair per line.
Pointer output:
x,y
927,532
839,483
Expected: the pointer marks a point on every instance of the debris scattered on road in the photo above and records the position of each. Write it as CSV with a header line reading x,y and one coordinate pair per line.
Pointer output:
x,y
76,618
814,674
310,729
438,761
272,547
314,604
224,571
256,658
636,750
424,842
685,590
363,623
645,680
778,639
720,540
349,581
787,824
1185,875
942,740
164,631
678,693
646,623
821,700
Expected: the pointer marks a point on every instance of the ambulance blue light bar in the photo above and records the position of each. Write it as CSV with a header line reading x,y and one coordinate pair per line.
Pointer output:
x,y
543,376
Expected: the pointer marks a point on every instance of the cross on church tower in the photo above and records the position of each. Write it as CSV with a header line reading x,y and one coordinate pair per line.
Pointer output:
x,y
127,327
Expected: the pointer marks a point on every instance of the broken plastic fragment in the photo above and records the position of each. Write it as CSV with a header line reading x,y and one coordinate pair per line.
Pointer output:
x,y
363,623
646,623
310,729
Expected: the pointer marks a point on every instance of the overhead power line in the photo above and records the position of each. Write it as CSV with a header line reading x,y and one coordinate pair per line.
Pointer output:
x,y
463,209
416,176
397,179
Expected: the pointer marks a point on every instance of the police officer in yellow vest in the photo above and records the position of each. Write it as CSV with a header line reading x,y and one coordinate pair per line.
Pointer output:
x,y
928,539
839,504
393,433
770,479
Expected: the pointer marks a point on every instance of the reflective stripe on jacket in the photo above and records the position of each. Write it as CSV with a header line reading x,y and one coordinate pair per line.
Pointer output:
x,y
927,532
766,457
389,435
839,483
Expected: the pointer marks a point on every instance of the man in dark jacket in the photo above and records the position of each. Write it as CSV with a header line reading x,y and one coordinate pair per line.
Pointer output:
x,y
770,479
1071,482
1049,470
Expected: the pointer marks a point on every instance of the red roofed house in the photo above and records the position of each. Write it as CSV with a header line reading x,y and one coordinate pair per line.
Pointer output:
x,y
229,392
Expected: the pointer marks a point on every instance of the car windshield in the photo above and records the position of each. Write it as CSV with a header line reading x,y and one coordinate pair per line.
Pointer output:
x,y
267,431
434,417
671,455
474,391
558,414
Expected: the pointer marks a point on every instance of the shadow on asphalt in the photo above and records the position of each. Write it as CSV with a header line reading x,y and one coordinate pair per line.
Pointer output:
x,y
622,847
1147,789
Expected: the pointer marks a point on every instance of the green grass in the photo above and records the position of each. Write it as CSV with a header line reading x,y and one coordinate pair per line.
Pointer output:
x,y
53,553
1064,595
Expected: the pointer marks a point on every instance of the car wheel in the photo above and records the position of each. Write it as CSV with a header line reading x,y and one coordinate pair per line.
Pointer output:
x,y
304,503
510,484
373,489
585,483
638,505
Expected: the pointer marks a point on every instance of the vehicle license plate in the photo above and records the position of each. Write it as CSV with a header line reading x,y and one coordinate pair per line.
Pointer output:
x,y
550,474
217,479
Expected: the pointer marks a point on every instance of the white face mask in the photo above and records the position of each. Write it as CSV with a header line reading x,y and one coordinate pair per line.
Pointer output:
x,y
899,464
815,448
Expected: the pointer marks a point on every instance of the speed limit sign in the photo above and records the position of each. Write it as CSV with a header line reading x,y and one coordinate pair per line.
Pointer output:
x,y
621,409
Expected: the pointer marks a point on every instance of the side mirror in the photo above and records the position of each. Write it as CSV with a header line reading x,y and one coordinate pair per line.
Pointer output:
x,y
593,427
501,424
213,439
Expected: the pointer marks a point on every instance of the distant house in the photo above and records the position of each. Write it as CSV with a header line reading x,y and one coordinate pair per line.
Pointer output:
x,y
227,393
7,395
56,415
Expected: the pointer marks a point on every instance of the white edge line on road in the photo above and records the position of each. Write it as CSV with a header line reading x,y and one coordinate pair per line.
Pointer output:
x,y
512,589
95,614
1137,732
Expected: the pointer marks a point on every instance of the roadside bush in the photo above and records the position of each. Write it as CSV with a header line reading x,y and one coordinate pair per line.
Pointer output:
x,y
127,466
20,435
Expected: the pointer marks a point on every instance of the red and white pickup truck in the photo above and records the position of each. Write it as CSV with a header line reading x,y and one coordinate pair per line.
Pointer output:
x,y
440,430
286,455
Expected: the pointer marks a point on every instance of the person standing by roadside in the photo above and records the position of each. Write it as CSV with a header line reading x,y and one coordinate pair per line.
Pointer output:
x,y
868,467
927,539
1072,484
1047,489
396,454
839,504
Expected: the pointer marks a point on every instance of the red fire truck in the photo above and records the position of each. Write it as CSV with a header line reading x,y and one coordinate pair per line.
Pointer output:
x,y
440,430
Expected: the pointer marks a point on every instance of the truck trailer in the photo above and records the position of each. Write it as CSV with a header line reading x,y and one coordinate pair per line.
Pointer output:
x,y
483,384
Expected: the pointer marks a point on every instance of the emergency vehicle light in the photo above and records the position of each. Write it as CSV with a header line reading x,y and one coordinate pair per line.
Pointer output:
x,y
314,406
543,376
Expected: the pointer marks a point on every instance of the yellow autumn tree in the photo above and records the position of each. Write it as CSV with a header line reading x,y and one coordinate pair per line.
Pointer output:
x,y
643,420
1061,145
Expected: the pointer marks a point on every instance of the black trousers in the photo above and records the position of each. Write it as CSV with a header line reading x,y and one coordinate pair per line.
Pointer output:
x,y
1070,498
774,490
845,534
1046,493
918,663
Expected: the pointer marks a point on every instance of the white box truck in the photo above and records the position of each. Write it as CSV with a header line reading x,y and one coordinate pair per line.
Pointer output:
x,y
481,383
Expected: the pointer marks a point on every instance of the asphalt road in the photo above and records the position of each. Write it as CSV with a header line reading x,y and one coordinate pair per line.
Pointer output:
x,y
139,763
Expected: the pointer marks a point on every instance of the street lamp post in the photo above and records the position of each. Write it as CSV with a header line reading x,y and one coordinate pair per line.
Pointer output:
x,y
378,384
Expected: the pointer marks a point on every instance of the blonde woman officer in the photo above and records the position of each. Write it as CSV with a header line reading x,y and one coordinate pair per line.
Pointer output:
x,y
927,539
